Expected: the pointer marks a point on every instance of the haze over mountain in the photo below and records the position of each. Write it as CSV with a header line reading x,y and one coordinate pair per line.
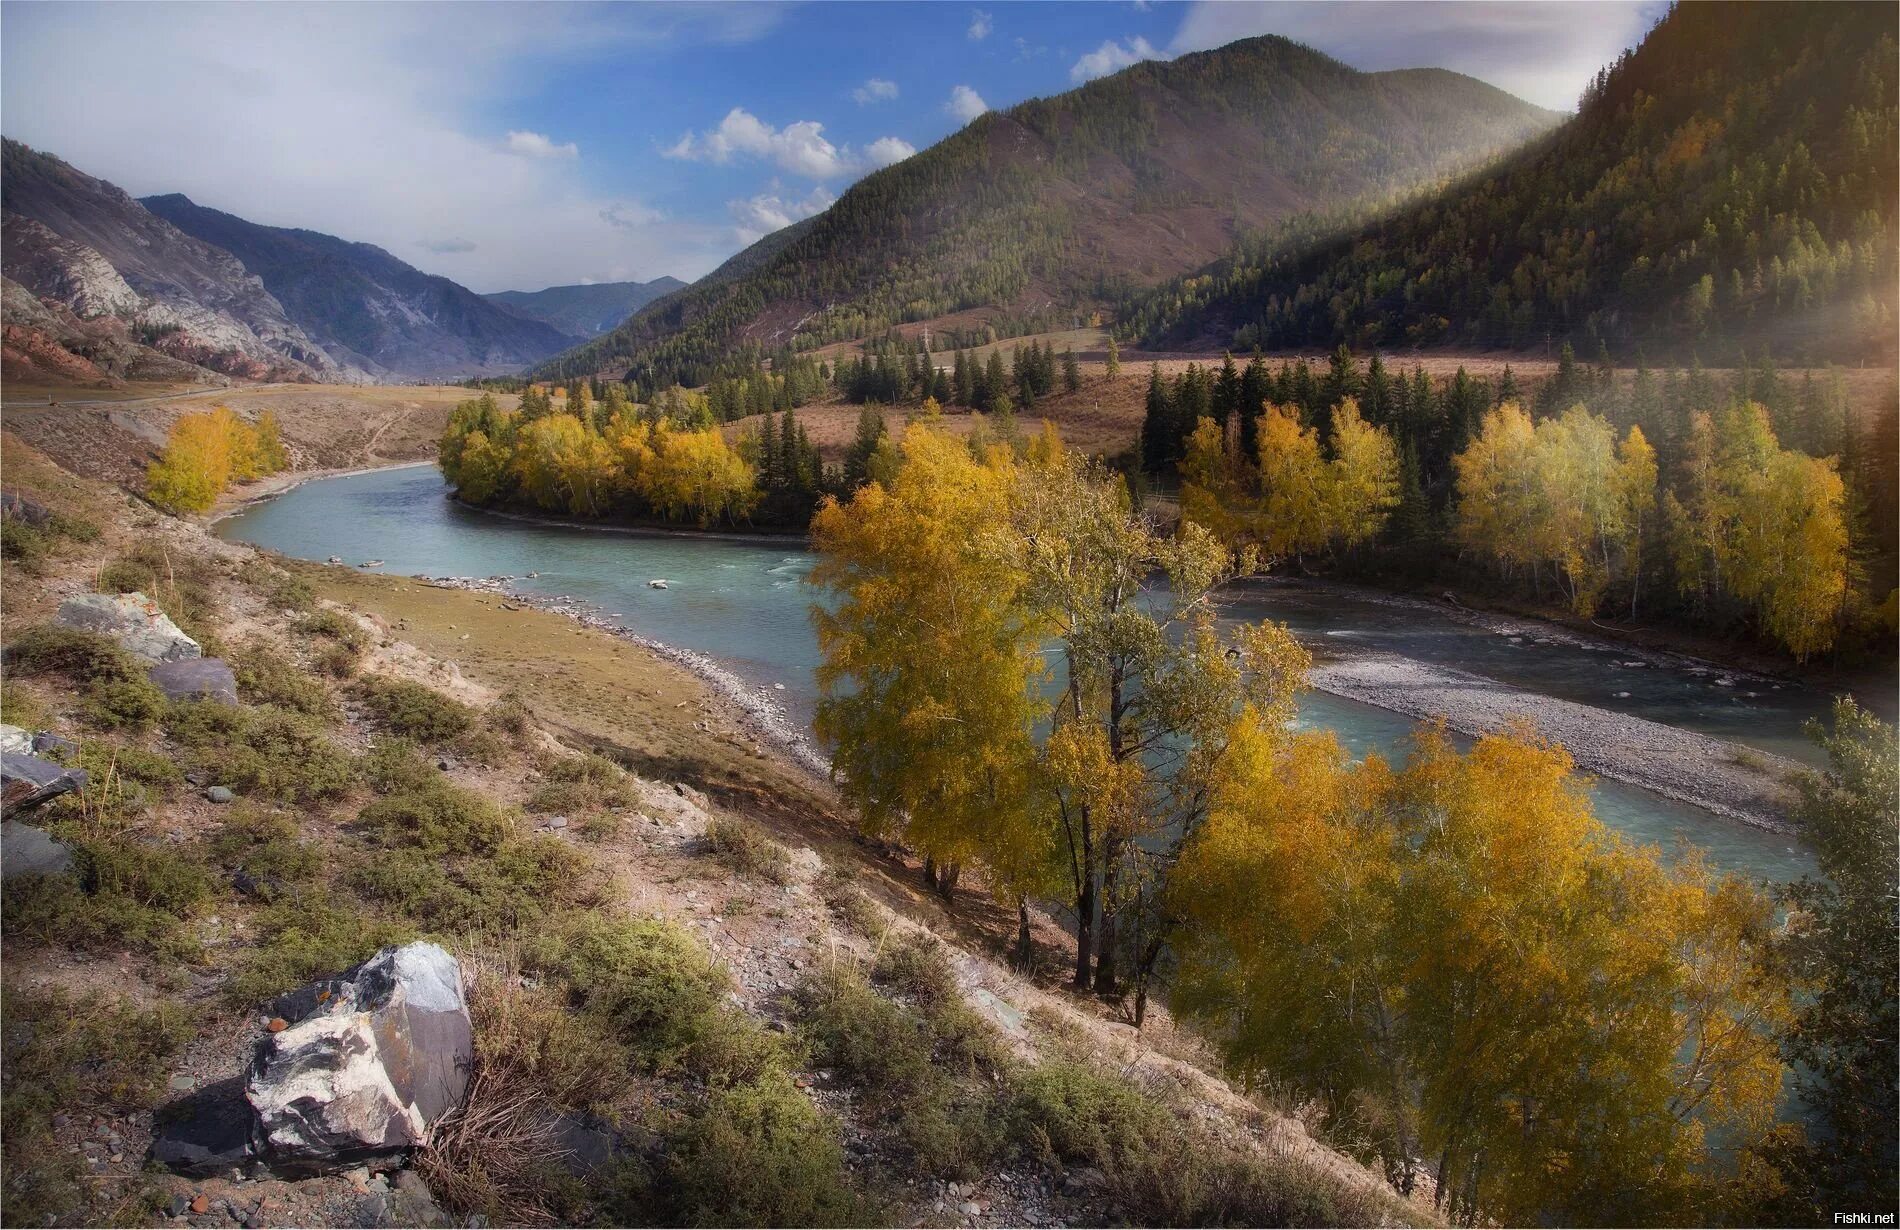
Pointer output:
x,y
136,295
1038,214
588,310
1729,184
369,309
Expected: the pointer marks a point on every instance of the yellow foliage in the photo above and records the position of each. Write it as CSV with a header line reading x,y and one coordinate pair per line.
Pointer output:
x,y
205,452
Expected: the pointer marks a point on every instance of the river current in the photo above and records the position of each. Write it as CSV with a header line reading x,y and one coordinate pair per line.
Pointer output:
x,y
743,602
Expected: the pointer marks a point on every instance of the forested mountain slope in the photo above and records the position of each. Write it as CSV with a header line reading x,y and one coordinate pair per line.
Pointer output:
x,y
1731,183
584,311
366,307
1058,205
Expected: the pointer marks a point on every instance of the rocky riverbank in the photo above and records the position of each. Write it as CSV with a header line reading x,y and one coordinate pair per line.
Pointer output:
x,y
1742,784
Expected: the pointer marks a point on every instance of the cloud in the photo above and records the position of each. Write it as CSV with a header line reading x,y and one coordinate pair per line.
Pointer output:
x,y
629,215
756,217
875,90
965,103
886,150
980,25
1112,57
537,145
1545,51
799,147
372,122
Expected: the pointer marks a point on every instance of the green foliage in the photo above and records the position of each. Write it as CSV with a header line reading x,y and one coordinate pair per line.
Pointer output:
x,y
576,784
269,752
117,693
265,846
397,766
413,710
439,818
122,896
342,642
506,894
645,981
266,677
28,546
744,847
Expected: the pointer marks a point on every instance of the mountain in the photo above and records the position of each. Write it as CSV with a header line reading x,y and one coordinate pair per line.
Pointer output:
x,y
585,311
1034,215
1730,184
140,289
369,309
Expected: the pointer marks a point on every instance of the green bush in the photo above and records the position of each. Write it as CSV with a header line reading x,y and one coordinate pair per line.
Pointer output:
x,y
30,546
266,847
843,897
342,642
269,752
507,894
414,711
124,896
439,818
102,760
917,965
643,979
744,847
395,765
758,1154
20,706
266,677
116,691
307,935
181,584
577,784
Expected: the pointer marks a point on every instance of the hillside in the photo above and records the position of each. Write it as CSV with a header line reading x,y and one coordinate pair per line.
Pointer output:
x,y
1047,210
585,311
367,308
84,246
1731,182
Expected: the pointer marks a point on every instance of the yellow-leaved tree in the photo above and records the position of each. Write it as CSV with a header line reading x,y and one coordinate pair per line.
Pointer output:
x,y
205,452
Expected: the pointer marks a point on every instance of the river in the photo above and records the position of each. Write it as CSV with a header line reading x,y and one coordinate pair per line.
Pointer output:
x,y
743,602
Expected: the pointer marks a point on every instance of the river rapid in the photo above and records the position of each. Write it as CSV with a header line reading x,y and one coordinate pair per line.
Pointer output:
x,y
742,603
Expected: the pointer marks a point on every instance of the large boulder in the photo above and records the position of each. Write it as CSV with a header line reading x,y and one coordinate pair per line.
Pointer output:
x,y
15,740
196,679
369,1063
27,781
25,850
134,621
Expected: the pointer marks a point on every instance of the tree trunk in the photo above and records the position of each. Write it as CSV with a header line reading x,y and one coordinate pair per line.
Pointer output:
x,y
930,872
1025,946
1105,972
947,876
1085,931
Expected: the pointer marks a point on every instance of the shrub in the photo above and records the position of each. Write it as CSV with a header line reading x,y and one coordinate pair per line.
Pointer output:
x,y
305,936
20,706
266,677
582,783
266,847
181,584
643,979
916,965
271,752
746,849
29,546
507,894
342,642
510,716
440,818
414,711
135,764
116,691
61,1051
124,896
850,903
132,704
394,765
758,1154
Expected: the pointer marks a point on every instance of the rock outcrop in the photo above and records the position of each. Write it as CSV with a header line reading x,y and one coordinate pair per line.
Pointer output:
x,y
135,622
196,679
369,1063
27,781
25,850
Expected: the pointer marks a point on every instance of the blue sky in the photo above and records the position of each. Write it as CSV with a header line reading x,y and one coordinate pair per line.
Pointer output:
x,y
517,146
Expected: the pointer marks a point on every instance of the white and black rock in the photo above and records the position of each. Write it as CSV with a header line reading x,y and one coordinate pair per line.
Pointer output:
x,y
27,781
16,740
133,621
25,850
196,679
371,1061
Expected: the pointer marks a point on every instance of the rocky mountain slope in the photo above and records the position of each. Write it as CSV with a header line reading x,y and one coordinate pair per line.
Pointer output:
x,y
82,246
1029,217
368,309
1729,185
585,311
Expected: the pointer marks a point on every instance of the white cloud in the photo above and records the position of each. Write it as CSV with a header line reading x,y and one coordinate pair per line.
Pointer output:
x,y
877,89
886,150
756,217
965,103
364,121
1112,57
799,147
538,145
980,25
1545,51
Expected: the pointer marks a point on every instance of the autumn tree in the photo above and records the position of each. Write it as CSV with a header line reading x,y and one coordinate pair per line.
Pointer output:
x,y
207,451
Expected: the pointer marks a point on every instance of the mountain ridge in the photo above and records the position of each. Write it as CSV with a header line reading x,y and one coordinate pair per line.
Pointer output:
x,y
585,310
1054,207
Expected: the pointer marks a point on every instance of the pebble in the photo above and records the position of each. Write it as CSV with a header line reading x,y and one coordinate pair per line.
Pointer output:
x,y
219,794
200,1204
183,1084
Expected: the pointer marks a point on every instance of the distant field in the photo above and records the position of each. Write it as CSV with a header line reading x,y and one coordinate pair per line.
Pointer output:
x,y
113,433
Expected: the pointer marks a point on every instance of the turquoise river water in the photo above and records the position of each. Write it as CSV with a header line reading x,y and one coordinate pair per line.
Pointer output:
x,y
743,602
